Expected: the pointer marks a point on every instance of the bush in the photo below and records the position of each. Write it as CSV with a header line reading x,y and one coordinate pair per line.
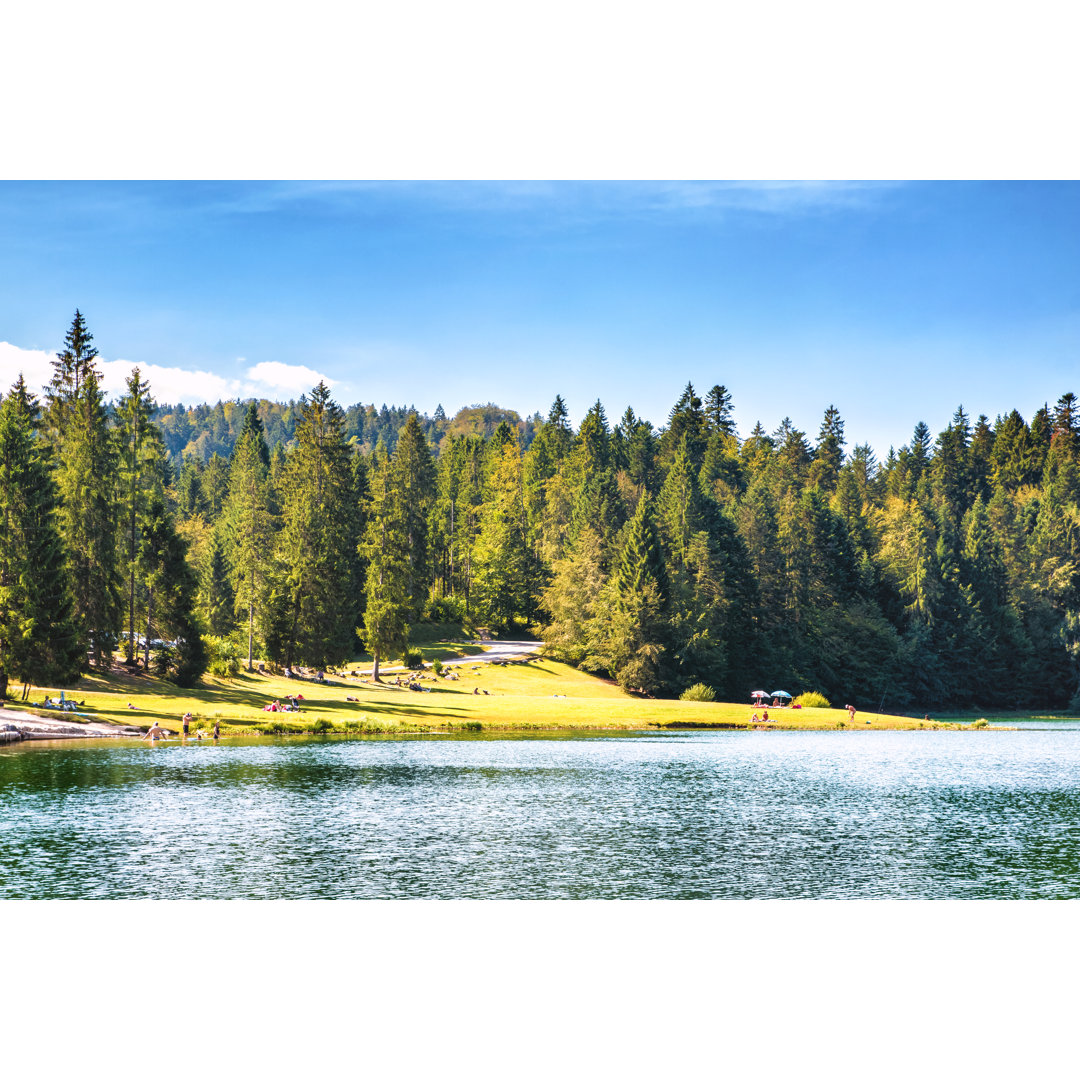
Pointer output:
x,y
413,659
443,609
812,699
698,692
437,666
224,656
321,725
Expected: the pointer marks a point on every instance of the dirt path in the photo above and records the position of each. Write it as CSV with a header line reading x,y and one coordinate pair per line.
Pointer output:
x,y
497,652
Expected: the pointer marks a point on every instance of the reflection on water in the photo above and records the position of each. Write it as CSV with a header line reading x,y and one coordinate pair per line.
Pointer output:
x,y
693,815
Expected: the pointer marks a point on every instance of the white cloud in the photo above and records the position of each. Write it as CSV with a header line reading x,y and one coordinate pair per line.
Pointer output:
x,y
34,365
169,385
293,378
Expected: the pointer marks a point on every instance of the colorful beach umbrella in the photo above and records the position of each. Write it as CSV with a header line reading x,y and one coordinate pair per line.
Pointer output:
x,y
780,693
759,693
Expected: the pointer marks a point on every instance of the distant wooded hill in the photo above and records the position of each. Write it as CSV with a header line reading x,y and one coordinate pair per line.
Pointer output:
x,y
200,431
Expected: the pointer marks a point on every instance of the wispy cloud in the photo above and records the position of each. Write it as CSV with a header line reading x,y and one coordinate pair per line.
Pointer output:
x,y
773,196
172,385
612,198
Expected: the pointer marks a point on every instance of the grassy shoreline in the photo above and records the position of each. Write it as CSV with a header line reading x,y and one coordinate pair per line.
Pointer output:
x,y
534,695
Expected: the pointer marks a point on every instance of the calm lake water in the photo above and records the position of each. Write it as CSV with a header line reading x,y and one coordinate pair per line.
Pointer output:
x,y
687,815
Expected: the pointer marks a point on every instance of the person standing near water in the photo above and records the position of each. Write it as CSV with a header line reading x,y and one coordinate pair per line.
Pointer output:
x,y
156,732
186,722
217,729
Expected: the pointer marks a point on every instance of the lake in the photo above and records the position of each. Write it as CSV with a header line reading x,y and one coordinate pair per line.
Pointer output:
x,y
972,814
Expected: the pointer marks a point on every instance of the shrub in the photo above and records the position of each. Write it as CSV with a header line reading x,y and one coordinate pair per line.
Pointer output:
x,y
812,699
224,656
437,666
412,658
980,723
444,609
698,692
322,725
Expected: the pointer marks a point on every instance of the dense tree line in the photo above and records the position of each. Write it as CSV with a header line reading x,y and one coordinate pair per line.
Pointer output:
x,y
199,432
947,575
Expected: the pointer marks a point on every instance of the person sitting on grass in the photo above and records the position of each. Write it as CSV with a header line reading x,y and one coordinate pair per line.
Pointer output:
x,y
755,719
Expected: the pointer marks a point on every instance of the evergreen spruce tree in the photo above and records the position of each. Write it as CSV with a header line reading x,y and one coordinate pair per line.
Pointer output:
x,y
718,411
687,427
250,525
38,640
253,425
385,549
218,598
170,599
319,535
215,483
501,575
414,485
829,455
680,504
920,451
85,459
140,478
191,500
641,559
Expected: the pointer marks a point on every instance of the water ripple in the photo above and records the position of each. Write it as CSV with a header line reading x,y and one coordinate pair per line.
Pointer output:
x,y
694,815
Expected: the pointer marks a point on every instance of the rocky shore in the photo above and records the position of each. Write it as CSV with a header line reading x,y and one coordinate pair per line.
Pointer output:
x,y
16,726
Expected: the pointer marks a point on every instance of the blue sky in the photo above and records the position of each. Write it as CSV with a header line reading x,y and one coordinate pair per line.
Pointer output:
x,y
895,302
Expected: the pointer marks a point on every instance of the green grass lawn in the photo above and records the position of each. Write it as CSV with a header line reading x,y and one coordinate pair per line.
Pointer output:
x,y
536,695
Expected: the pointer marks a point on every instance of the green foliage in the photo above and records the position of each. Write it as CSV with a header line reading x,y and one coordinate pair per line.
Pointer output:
x,y
437,666
949,574
223,656
38,638
317,543
413,659
385,550
812,699
698,692
86,476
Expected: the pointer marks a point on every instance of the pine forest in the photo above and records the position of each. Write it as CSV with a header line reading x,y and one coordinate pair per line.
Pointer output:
x,y
178,539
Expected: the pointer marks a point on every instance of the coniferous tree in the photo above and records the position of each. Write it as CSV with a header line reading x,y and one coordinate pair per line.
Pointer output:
x,y
385,549
319,534
85,459
641,559
414,482
502,579
170,599
38,640
191,500
718,411
140,479
829,455
249,523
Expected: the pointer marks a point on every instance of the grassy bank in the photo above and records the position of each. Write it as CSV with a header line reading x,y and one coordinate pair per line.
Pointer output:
x,y
538,695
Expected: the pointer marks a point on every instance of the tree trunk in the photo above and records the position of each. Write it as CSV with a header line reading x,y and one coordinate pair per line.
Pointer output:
x,y
131,590
375,668
149,608
251,615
